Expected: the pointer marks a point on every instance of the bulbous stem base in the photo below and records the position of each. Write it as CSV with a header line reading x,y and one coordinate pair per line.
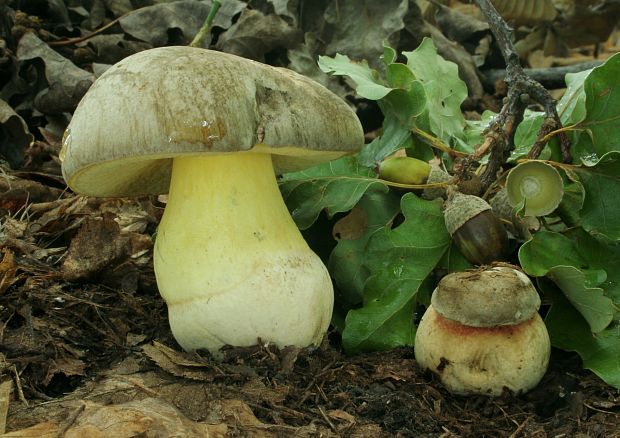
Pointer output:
x,y
230,262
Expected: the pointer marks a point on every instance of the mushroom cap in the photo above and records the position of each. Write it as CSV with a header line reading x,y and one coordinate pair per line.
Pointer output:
x,y
172,101
494,296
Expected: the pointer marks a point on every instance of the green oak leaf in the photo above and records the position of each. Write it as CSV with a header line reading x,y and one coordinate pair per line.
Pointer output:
x,y
346,261
555,255
569,331
395,136
526,134
335,187
454,261
368,82
592,304
601,207
600,254
572,106
399,260
602,120
445,91
548,249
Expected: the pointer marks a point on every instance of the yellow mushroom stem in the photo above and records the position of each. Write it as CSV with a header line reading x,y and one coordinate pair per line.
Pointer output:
x,y
230,262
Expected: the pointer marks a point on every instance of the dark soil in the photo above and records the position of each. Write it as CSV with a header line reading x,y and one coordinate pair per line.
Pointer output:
x,y
74,346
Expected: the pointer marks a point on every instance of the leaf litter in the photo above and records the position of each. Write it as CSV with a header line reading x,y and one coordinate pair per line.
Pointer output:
x,y
85,348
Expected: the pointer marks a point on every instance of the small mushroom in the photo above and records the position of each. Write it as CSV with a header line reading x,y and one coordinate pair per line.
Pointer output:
x,y
213,130
482,332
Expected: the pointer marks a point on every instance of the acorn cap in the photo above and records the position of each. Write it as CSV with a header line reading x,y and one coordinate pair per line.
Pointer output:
x,y
436,175
496,296
537,184
460,208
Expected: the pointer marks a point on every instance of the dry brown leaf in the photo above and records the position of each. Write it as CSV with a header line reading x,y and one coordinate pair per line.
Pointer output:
x,y
5,397
49,429
8,269
237,413
66,366
401,371
526,11
177,363
147,418
97,245
257,390
352,226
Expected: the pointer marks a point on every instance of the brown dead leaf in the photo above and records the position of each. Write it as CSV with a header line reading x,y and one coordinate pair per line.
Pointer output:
x,y
15,193
49,429
5,397
97,245
352,226
8,269
66,366
177,363
237,413
256,390
149,417
401,371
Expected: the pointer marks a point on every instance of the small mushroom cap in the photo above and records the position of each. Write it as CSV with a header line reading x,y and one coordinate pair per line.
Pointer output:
x,y
495,296
171,101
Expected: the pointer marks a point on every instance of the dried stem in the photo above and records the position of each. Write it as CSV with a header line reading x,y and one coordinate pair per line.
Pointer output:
x,y
521,90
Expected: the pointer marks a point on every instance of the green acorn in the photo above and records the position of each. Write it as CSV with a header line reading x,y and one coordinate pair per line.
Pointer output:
x,y
475,229
537,185
404,170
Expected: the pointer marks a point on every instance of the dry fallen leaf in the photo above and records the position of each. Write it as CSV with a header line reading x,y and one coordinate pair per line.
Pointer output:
x,y
8,269
49,429
5,397
352,226
67,366
177,363
97,245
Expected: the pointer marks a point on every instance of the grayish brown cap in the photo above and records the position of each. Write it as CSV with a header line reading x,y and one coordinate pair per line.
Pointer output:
x,y
498,295
179,101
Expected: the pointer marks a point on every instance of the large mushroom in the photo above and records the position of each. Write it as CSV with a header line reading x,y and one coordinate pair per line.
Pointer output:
x,y
212,130
482,332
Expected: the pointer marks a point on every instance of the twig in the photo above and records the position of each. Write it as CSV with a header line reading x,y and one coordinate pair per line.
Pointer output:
x,y
436,143
521,90
86,37
551,77
327,420
201,36
70,420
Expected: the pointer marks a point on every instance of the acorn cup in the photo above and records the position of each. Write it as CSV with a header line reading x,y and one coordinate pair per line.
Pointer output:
x,y
536,185
435,176
477,232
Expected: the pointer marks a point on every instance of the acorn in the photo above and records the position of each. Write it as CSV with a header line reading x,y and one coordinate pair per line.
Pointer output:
x,y
536,185
404,170
477,232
